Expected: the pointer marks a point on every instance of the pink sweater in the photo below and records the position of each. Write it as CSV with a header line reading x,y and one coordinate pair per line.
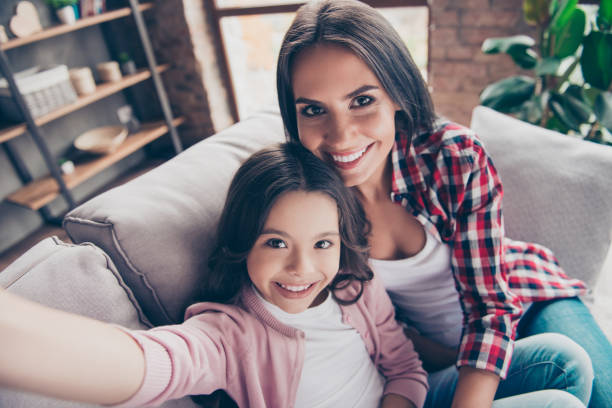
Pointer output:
x,y
258,360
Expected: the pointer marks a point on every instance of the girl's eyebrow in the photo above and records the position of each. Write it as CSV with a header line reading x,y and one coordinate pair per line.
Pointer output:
x,y
273,231
350,95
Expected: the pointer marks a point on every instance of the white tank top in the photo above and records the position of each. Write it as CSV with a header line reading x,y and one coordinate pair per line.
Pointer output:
x,y
423,290
337,371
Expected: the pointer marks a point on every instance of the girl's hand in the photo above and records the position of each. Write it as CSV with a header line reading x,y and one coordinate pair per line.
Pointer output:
x,y
64,355
395,401
434,355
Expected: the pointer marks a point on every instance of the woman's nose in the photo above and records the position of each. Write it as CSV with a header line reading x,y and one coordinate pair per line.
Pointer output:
x,y
339,129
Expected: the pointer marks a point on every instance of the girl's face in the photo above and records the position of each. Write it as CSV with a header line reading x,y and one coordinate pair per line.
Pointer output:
x,y
297,253
344,115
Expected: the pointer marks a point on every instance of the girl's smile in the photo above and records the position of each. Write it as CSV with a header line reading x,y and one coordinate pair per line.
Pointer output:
x,y
344,115
297,254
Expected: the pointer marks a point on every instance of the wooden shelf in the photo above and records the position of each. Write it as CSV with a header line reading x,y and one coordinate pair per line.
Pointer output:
x,y
66,28
42,191
102,91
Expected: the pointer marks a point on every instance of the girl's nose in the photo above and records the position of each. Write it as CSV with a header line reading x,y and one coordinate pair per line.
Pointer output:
x,y
298,264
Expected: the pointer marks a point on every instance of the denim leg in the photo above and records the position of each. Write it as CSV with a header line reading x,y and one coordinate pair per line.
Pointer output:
x,y
540,399
541,362
573,319
548,361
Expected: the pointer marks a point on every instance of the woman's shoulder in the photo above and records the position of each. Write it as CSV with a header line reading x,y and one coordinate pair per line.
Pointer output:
x,y
448,140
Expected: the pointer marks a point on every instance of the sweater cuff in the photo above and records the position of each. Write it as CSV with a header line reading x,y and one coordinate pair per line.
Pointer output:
x,y
414,391
158,371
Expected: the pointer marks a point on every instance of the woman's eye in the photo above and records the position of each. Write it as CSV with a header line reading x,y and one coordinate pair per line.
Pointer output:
x,y
362,100
312,110
276,243
323,244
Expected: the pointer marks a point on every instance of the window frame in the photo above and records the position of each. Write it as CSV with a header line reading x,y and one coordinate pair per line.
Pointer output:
x,y
219,13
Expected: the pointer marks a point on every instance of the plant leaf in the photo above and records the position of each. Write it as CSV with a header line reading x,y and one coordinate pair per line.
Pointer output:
x,y
605,12
502,44
518,47
555,123
524,58
508,94
547,66
575,91
596,59
569,110
531,110
603,109
569,36
535,11
562,14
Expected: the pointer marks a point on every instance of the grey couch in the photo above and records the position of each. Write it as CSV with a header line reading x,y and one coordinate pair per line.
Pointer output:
x,y
144,245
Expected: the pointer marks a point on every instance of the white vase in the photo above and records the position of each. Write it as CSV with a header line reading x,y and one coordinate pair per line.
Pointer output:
x,y
66,15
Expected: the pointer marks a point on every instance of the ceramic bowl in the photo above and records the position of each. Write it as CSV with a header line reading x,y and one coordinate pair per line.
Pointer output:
x,y
102,140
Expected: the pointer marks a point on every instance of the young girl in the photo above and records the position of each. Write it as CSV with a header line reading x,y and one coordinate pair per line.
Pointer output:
x,y
350,93
300,320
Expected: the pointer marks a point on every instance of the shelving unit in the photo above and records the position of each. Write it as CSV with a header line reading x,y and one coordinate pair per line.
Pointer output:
x,y
36,194
102,91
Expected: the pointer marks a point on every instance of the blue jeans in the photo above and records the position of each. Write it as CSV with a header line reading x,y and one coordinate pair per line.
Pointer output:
x,y
547,369
573,319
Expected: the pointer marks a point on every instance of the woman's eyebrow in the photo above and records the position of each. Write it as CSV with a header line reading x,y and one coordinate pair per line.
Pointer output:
x,y
350,95
359,90
306,101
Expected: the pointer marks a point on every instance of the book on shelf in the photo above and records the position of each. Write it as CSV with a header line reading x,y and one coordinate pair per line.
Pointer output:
x,y
90,8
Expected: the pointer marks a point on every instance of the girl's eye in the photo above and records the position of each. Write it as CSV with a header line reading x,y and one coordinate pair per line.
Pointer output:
x,y
362,100
323,244
276,243
312,110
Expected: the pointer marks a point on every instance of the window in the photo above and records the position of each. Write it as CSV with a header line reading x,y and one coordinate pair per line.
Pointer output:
x,y
251,32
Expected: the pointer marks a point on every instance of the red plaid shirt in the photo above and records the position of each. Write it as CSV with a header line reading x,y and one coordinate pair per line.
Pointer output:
x,y
448,182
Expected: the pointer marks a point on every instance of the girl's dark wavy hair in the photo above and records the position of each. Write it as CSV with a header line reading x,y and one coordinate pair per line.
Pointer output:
x,y
258,183
364,31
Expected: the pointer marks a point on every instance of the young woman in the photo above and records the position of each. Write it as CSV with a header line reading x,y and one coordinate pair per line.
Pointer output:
x,y
299,320
350,93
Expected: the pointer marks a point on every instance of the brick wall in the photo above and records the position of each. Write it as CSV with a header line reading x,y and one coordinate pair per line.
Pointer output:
x,y
183,36
459,71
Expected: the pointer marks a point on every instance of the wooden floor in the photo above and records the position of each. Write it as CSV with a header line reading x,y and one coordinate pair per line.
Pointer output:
x,y
18,249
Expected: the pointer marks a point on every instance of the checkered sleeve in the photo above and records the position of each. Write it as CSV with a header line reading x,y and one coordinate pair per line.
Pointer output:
x,y
490,309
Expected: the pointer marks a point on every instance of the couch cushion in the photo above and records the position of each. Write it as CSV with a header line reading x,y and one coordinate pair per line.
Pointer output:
x,y
159,227
77,278
557,189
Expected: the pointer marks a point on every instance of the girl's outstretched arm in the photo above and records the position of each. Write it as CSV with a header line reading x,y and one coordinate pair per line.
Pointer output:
x,y
64,355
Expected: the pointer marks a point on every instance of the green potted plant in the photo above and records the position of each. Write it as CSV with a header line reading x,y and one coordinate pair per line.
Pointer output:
x,y
65,10
128,67
571,61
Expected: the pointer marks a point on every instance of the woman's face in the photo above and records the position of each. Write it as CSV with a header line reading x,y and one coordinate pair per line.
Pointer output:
x,y
344,115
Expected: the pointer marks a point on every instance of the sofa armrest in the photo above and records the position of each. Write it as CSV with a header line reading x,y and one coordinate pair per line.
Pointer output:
x,y
557,190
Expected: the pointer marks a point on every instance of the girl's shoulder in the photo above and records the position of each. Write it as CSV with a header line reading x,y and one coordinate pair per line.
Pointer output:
x,y
372,290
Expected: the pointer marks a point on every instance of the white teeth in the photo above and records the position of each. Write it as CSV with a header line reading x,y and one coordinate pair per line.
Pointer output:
x,y
294,288
350,157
